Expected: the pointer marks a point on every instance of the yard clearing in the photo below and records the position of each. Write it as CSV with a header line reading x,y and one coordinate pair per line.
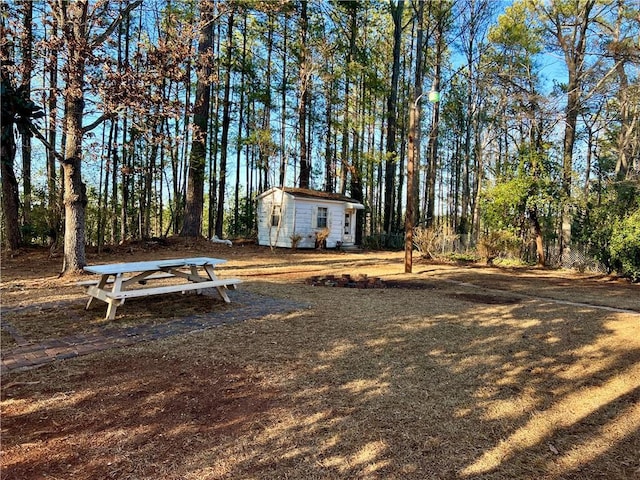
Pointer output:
x,y
455,372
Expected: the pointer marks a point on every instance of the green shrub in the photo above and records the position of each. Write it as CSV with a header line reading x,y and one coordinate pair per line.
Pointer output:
x,y
625,246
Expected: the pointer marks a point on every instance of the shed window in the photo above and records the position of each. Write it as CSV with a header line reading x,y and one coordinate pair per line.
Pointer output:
x,y
275,215
321,219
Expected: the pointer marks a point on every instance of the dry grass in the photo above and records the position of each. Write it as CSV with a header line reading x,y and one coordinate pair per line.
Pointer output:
x,y
449,381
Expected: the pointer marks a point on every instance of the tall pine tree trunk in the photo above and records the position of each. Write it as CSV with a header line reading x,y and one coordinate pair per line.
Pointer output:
x,y
10,198
192,225
573,43
283,113
75,193
10,201
346,124
26,71
413,159
432,149
53,205
213,139
226,120
392,118
329,160
303,98
241,114
265,143
74,23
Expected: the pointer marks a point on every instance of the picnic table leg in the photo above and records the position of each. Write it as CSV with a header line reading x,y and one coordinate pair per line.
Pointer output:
x,y
101,284
114,303
222,291
194,272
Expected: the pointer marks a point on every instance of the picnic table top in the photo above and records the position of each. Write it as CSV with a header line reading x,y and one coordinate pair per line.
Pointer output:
x,y
151,265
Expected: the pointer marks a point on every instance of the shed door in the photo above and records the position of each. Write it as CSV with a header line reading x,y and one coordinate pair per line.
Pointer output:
x,y
349,220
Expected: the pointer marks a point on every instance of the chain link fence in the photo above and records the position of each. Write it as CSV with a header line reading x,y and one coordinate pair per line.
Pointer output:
x,y
447,245
576,258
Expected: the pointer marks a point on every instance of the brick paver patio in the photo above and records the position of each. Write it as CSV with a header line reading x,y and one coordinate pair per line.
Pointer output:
x,y
29,355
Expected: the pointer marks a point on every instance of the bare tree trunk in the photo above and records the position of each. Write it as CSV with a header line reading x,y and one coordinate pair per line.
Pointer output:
x,y
213,162
53,206
213,141
192,226
330,161
103,203
72,19
265,145
567,160
226,120
475,212
241,114
398,217
377,226
409,216
414,143
346,124
26,71
628,117
392,118
127,170
249,220
574,47
303,97
104,154
432,149
183,158
175,175
115,162
148,176
75,193
357,171
10,203
10,199
283,113
537,234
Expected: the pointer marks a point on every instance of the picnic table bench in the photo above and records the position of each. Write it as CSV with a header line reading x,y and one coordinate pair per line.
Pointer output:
x,y
119,281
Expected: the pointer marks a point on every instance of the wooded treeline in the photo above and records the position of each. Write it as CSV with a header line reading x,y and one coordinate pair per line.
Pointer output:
x,y
137,119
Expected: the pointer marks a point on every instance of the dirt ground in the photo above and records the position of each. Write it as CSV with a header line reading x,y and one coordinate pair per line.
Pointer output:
x,y
451,372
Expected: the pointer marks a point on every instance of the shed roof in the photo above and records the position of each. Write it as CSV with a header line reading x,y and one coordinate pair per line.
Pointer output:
x,y
315,194
307,193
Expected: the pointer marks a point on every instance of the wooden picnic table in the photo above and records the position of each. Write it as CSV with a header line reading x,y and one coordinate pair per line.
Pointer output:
x,y
119,281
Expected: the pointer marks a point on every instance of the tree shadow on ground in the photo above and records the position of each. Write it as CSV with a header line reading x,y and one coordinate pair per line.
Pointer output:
x,y
523,390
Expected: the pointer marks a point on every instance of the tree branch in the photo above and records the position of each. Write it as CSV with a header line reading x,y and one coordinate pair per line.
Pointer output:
x,y
104,35
44,141
96,122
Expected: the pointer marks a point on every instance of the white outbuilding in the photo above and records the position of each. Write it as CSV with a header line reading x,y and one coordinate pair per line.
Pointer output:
x,y
300,218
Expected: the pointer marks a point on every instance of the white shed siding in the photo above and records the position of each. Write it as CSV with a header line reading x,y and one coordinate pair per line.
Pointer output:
x,y
276,236
303,224
299,217
264,209
335,223
306,215
288,221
